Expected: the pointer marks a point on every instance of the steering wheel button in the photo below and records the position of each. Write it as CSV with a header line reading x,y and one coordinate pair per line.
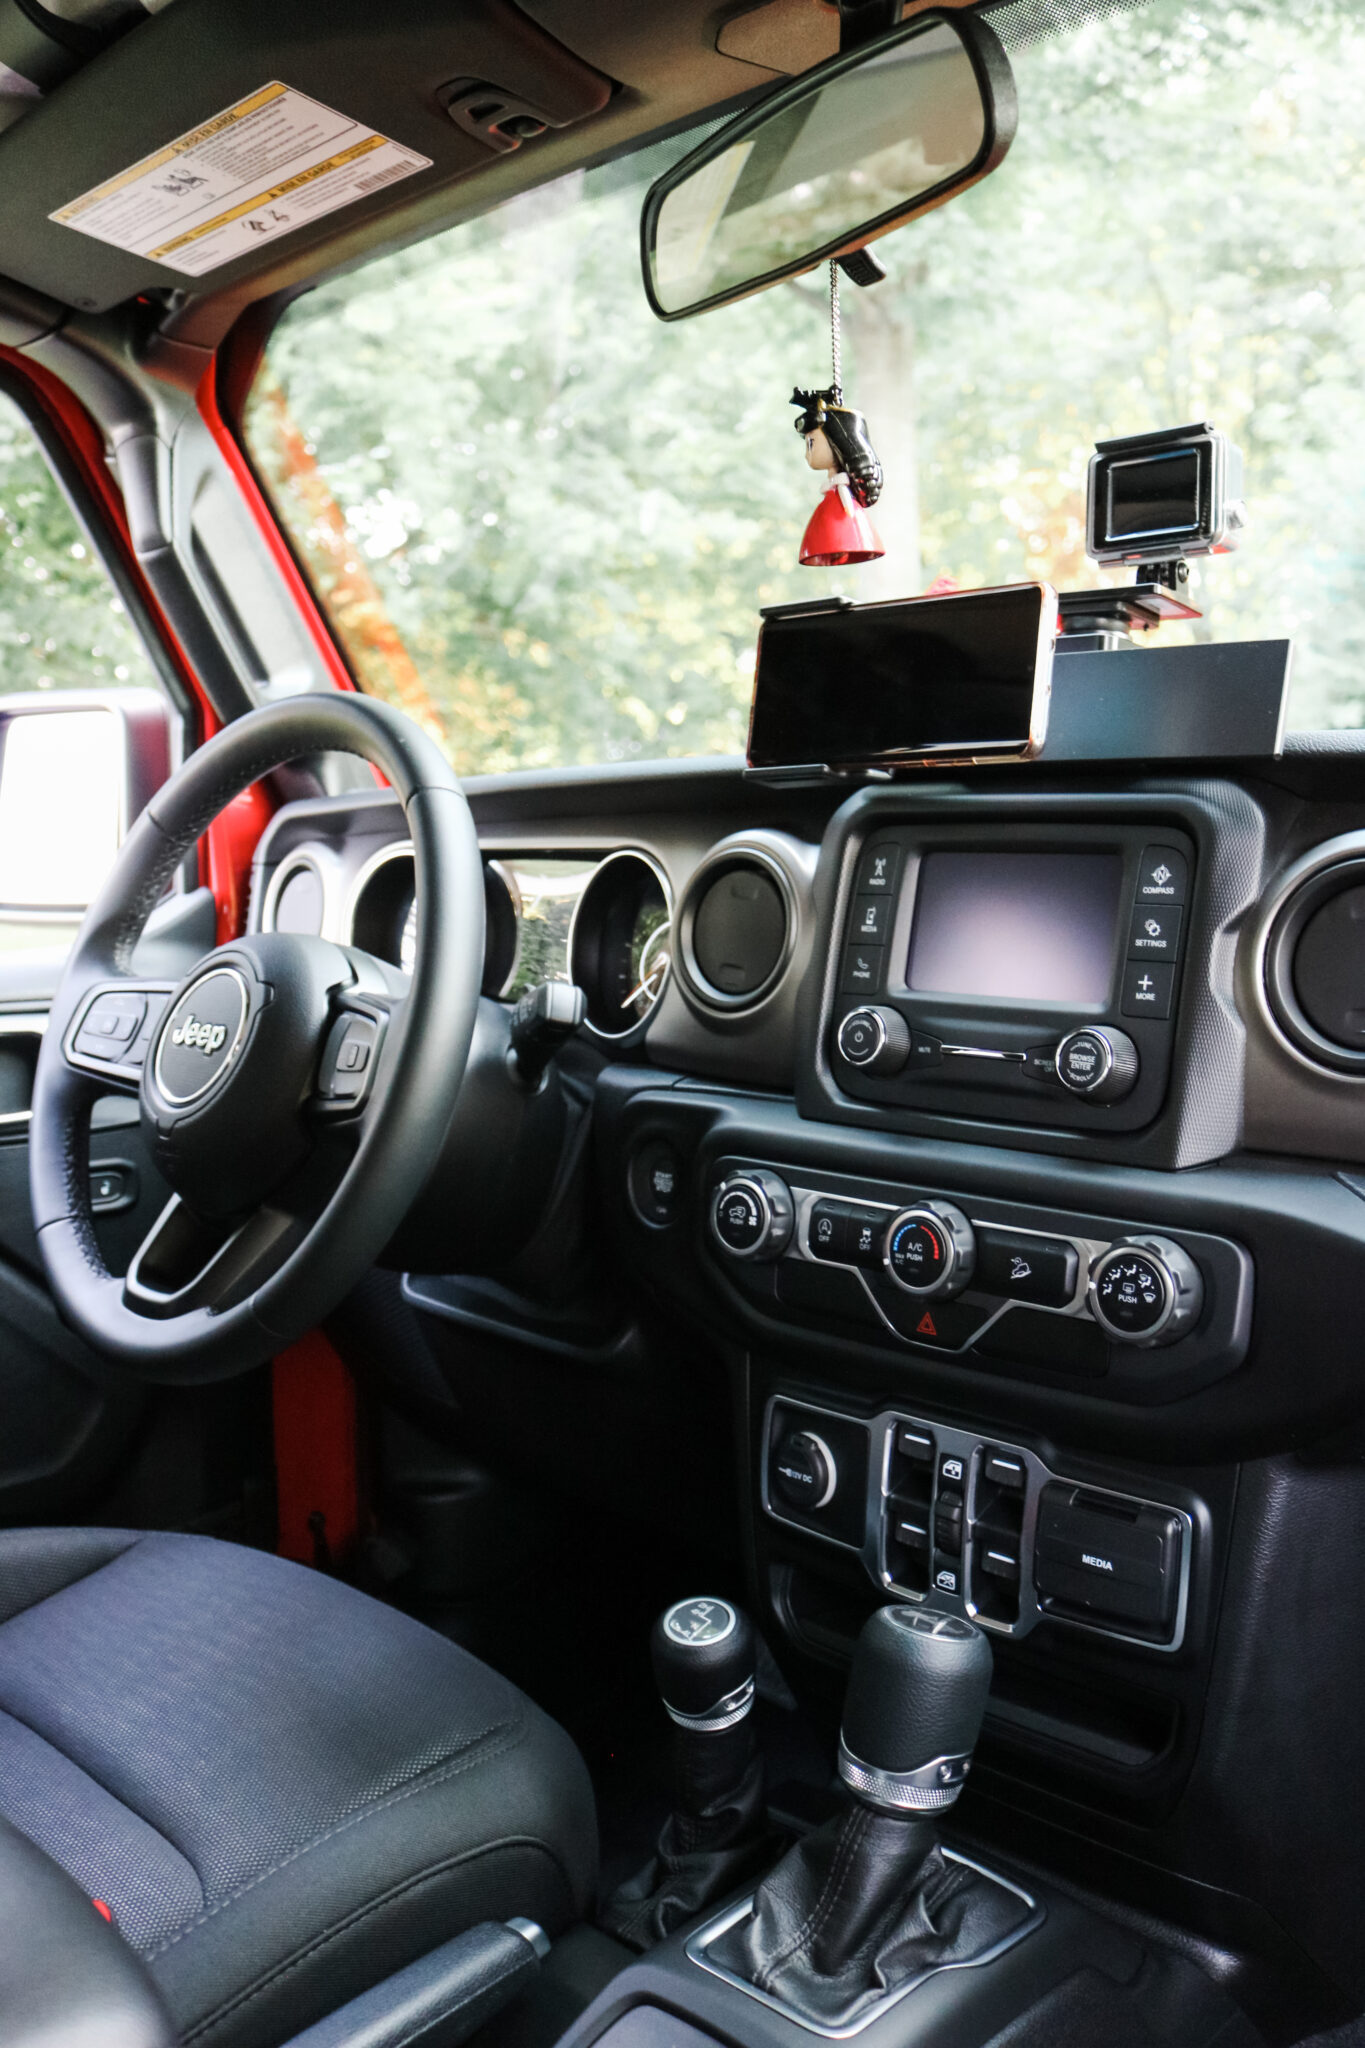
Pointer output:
x,y
349,1046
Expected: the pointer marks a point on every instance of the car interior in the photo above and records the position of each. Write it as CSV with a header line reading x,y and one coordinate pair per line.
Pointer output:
x,y
682,1071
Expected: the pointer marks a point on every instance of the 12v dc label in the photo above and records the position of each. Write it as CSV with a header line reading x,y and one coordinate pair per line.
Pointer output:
x,y
268,164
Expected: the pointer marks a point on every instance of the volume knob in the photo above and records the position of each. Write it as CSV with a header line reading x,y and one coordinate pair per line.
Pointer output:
x,y
875,1040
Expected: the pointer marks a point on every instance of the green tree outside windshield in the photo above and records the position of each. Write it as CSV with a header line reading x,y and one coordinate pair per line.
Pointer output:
x,y
545,523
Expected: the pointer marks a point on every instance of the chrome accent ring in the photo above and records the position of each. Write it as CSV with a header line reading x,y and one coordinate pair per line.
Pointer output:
x,y
726,1713
221,1073
1134,1248
759,1192
844,1053
1107,1065
932,1788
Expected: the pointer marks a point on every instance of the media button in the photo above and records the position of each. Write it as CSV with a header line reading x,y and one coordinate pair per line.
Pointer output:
x,y
871,919
1163,876
1025,1268
878,868
862,970
1155,933
1147,991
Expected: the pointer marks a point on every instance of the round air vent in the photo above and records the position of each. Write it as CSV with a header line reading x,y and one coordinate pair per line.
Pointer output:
x,y
1314,968
296,902
736,928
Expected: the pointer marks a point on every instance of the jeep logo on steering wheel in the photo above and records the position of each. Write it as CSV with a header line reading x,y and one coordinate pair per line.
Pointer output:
x,y
208,1037
201,1036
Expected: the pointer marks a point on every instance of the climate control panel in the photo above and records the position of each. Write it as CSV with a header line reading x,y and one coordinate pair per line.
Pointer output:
x,y
981,1526
942,1272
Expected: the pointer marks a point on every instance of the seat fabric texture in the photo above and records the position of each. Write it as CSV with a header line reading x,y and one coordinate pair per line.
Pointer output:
x,y
282,1789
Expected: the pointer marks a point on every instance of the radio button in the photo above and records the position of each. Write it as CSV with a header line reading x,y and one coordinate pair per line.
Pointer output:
x,y
1022,1268
878,868
871,919
1163,876
1147,991
1155,933
862,970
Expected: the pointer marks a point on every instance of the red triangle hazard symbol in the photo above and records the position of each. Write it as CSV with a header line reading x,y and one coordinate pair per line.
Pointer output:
x,y
925,1325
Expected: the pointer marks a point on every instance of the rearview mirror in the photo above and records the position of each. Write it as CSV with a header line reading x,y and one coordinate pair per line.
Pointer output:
x,y
826,164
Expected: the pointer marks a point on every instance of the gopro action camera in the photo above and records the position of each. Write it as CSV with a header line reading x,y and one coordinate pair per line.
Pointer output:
x,y
1164,497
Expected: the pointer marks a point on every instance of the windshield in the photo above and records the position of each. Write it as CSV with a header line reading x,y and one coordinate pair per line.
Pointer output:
x,y
544,523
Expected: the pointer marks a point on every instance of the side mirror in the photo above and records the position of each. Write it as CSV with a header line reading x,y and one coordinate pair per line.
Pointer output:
x,y
75,771
845,153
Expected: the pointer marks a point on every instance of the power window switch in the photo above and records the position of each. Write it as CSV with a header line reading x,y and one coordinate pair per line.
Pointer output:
x,y
948,1519
915,1444
1004,1471
911,1535
1000,1563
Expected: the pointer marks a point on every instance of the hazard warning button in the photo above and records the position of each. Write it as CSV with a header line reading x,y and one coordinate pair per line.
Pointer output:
x,y
937,1325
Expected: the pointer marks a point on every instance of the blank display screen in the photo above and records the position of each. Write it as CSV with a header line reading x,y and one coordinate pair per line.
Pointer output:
x,y
1035,926
1159,494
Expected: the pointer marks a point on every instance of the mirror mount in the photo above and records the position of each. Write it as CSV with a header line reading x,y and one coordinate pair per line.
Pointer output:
x,y
861,20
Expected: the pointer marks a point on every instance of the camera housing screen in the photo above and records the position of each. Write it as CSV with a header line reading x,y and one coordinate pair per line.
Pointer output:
x,y
856,685
1027,927
1154,497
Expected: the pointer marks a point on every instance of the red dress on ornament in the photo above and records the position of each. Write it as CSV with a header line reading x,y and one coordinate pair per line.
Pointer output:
x,y
840,530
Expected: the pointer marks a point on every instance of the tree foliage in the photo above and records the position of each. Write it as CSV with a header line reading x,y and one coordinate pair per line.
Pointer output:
x,y
61,625
547,523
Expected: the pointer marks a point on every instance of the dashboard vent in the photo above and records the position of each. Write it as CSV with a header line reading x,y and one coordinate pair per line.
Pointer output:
x,y
1314,971
736,928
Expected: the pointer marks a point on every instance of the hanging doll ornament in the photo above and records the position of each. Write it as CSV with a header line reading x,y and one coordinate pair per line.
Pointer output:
x,y
840,530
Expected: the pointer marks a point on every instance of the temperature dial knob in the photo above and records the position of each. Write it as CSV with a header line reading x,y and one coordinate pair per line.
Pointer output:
x,y
752,1214
875,1040
1145,1291
930,1249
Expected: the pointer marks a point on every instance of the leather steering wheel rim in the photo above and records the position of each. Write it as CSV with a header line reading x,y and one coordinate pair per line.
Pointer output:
x,y
412,1096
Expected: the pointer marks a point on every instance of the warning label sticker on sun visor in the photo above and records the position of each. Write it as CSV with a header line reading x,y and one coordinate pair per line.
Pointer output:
x,y
258,169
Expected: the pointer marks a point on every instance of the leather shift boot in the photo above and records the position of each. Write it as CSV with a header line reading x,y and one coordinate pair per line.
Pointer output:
x,y
857,1907
716,1838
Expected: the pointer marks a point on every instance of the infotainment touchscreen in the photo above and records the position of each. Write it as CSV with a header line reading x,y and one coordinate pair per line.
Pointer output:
x,y
848,685
1038,927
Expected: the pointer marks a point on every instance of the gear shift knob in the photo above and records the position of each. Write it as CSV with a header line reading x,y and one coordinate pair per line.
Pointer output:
x,y
703,1656
915,1702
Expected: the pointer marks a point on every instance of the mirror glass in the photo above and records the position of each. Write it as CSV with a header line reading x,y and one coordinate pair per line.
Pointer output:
x,y
61,807
874,139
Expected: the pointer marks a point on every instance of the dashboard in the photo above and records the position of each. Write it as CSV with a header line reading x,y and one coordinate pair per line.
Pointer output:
x,y
999,1140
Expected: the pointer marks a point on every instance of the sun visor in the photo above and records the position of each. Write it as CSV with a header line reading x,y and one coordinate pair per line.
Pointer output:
x,y
206,143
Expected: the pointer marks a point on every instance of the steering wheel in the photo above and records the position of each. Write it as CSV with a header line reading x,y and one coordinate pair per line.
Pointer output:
x,y
294,1093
